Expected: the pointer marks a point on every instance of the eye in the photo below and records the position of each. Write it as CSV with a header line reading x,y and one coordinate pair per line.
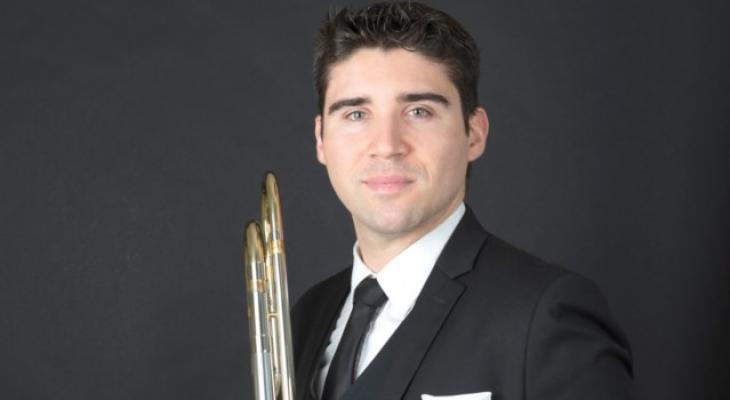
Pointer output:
x,y
419,112
355,115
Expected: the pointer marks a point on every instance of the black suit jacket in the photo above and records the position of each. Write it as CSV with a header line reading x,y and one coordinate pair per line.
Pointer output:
x,y
489,318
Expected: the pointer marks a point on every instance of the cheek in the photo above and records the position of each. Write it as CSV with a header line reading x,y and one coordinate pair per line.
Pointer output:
x,y
344,148
449,155
340,160
450,169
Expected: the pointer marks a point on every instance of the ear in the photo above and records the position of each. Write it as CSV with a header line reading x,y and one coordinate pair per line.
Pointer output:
x,y
478,132
318,139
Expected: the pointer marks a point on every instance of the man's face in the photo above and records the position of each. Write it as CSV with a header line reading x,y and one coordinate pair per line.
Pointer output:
x,y
393,139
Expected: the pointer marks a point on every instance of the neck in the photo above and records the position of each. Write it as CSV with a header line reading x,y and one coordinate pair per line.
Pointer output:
x,y
378,248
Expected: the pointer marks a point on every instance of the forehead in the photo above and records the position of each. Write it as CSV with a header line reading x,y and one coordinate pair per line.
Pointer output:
x,y
376,72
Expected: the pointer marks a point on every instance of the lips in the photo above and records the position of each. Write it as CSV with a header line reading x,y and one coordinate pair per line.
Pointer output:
x,y
388,184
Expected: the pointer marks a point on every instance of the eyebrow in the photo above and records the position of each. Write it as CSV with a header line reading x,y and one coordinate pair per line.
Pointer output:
x,y
404,98
350,102
425,96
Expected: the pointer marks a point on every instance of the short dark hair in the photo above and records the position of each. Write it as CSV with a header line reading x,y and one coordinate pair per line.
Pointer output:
x,y
407,25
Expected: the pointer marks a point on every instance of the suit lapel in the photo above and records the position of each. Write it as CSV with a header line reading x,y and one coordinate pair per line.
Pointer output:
x,y
392,370
389,374
321,321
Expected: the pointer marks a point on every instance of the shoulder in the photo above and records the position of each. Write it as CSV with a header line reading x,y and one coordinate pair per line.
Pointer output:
x,y
575,347
548,283
502,264
474,256
572,341
531,289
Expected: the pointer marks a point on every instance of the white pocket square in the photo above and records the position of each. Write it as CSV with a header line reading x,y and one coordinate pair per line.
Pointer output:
x,y
465,396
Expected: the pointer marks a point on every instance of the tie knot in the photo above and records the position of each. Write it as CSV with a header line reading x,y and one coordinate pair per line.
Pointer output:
x,y
369,293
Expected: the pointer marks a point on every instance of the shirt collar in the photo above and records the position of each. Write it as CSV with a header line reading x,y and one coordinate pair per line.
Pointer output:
x,y
403,277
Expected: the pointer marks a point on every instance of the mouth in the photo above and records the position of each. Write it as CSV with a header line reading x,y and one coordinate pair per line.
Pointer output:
x,y
387,184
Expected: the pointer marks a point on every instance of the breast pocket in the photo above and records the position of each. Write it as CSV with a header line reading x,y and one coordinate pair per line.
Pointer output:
x,y
463,396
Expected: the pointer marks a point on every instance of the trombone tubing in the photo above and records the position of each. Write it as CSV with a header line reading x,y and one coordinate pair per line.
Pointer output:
x,y
268,300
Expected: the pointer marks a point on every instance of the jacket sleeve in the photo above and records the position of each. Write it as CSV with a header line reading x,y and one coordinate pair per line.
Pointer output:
x,y
575,350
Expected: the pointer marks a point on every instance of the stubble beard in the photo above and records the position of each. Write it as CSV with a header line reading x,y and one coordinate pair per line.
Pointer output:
x,y
388,222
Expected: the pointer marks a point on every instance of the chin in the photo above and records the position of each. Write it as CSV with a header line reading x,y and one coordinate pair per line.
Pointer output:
x,y
393,222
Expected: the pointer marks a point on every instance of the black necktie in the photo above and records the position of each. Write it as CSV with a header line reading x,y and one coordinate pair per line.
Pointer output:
x,y
367,299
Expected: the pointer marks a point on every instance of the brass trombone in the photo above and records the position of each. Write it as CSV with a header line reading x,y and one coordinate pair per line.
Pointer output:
x,y
269,324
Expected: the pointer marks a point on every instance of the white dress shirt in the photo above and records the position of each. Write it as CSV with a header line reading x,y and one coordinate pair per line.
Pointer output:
x,y
402,280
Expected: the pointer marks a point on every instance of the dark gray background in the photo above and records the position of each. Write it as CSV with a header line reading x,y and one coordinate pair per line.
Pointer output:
x,y
134,136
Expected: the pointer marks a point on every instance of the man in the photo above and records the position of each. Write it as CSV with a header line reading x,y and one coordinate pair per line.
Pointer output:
x,y
433,305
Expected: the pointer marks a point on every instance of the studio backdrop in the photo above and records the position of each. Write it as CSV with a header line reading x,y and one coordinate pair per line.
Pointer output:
x,y
134,135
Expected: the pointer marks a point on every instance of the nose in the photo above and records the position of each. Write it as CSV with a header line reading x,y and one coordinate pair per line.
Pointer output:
x,y
389,140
